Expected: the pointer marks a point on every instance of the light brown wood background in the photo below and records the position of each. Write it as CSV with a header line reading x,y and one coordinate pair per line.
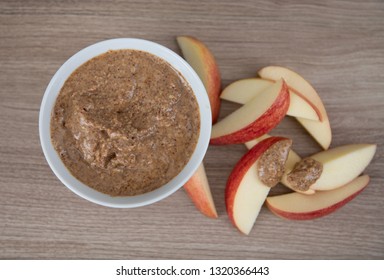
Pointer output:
x,y
337,45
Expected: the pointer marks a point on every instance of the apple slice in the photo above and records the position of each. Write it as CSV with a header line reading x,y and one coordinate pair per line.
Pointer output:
x,y
203,62
319,130
252,143
342,164
245,193
243,91
296,206
292,159
253,119
198,190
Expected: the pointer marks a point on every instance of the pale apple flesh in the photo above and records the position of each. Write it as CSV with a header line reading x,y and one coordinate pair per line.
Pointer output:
x,y
296,206
201,59
300,108
297,83
342,164
203,62
245,193
292,159
243,91
319,130
249,199
253,119
199,191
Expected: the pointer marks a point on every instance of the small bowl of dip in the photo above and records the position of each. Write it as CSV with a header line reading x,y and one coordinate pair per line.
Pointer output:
x,y
125,123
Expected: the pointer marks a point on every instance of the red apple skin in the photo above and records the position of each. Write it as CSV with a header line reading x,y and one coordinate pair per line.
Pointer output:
x,y
195,190
211,78
321,132
211,75
213,85
309,102
314,214
241,168
303,97
266,122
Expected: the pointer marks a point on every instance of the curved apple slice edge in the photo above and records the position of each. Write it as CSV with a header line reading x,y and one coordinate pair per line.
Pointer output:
x,y
292,159
319,130
243,91
296,206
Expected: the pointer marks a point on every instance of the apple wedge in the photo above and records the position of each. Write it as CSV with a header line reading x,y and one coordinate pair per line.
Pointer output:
x,y
199,191
295,206
203,62
342,164
253,119
319,130
245,193
292,159
243,91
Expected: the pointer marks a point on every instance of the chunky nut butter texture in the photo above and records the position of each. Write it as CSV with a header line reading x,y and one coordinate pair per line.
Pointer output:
x,y
125,123
304,174
271,165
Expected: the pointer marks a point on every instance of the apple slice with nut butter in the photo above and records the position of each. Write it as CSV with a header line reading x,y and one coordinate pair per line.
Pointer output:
x,y
304,174
339,165
292,160
251,179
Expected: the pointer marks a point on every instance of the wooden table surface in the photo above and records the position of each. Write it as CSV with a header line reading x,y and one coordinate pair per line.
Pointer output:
x,y
337,45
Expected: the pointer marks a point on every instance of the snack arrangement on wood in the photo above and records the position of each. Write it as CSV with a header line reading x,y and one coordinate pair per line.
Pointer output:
x,y
321,183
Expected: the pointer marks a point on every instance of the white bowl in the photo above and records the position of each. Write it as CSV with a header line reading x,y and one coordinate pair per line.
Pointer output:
x,y
53,90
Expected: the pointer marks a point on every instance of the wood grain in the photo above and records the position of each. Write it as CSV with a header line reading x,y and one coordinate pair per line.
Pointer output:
x,y
337,45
